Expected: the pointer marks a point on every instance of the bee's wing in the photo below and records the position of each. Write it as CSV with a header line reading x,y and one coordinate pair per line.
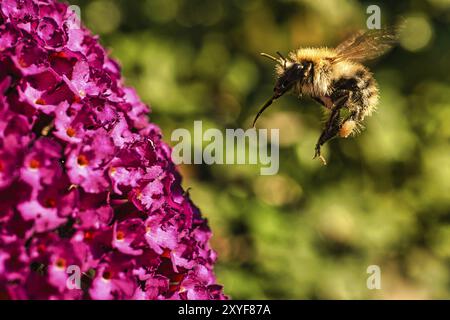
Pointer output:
x,y
367,45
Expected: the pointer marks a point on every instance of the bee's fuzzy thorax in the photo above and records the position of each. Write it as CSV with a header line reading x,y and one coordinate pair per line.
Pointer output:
x,y
317,81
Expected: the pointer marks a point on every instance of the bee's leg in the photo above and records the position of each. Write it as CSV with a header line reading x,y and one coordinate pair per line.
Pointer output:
x,y
330,131
353,123
332,126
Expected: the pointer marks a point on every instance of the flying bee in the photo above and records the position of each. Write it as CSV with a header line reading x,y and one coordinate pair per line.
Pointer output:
x,y
336,79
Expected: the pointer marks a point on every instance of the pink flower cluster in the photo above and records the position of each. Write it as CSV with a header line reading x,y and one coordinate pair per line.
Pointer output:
x,y
85,179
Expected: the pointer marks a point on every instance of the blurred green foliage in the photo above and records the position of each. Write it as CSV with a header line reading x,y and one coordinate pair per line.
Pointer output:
x,y
310,231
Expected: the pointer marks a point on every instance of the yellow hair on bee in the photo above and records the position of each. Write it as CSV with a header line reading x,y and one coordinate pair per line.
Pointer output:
x,y
322,60
316,55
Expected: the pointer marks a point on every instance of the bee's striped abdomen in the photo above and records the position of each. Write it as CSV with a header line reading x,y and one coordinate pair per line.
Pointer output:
x,y
363,92
356,89
366,98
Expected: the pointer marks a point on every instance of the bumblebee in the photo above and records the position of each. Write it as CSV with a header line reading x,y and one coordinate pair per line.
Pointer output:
x,y
336,79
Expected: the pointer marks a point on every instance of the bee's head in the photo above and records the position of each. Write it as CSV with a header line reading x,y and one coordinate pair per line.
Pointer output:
x,y
293,73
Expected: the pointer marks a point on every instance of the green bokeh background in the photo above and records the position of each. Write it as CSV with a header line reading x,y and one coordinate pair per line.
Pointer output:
x,y
311,231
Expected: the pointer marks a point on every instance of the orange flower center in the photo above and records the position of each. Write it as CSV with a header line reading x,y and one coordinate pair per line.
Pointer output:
x,y
34,164
60,263
120,235
40,101
82,160
70,132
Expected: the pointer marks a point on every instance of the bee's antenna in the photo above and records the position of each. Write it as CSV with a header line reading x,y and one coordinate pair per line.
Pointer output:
x,y
282,59
270,57
264,107
281,56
